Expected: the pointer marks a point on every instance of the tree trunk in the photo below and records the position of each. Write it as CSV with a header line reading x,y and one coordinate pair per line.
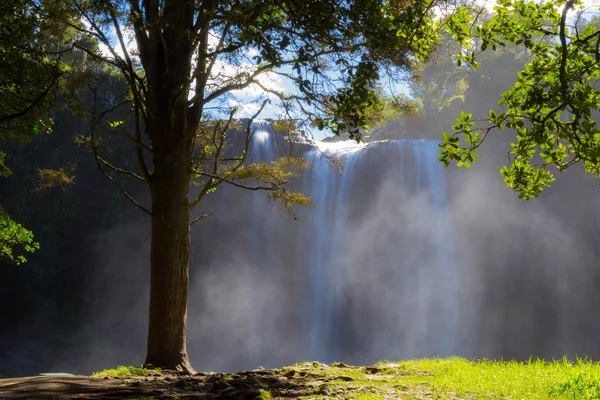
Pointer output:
x,y
169,261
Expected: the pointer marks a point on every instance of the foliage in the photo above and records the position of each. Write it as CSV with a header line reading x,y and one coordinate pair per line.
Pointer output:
x,y
440,83
29,74
439,88
553,104
284,126
12,235
388,109
27,77
51,178
128,371
35,65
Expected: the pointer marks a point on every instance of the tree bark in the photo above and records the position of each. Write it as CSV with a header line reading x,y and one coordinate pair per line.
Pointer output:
x,y
169,261
167,59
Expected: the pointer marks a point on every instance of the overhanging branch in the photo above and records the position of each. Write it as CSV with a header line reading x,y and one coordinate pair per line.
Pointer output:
x,y
564,85
201,217
216,181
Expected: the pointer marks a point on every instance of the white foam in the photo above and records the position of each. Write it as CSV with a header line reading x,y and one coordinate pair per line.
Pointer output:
x,y
261,135
345,147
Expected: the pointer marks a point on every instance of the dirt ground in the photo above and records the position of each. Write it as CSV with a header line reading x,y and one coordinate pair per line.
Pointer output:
x,y
247,385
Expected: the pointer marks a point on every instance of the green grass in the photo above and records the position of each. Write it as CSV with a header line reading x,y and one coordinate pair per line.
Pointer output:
x,y
450,378
496,379
127,371
265,395
458,378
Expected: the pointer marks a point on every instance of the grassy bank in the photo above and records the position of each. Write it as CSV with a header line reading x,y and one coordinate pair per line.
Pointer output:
x,y
456,378
452,378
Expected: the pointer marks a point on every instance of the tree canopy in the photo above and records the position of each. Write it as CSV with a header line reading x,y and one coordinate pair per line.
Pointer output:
x,y
553,104
194,68
29,75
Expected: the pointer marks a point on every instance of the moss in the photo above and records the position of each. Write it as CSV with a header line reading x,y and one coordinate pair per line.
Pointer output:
x,y
265,395
127,371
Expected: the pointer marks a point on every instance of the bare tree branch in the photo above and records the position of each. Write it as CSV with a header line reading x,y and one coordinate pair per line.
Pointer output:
x,y
99,163
273,187
201,217
217,154
117,169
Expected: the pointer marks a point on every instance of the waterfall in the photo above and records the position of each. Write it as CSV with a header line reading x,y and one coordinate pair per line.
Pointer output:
x,y
328,183
263,150
419,262
374,253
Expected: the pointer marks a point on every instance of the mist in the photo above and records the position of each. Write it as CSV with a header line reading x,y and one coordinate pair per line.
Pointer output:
x,y
398,258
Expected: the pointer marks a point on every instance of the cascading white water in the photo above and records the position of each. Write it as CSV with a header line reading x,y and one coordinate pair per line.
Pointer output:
x,y
328,183
375,249
262,151
422,264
